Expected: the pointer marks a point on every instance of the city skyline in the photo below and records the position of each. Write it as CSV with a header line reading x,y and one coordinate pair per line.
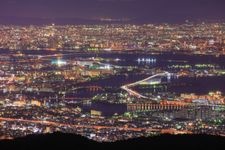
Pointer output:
x,y
188,37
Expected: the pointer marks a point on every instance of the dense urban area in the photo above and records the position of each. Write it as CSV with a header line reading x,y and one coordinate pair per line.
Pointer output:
x,y
202,38
96,81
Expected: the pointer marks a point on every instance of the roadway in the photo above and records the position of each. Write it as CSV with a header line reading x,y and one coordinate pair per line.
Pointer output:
x,y
58,124
96,127
138,95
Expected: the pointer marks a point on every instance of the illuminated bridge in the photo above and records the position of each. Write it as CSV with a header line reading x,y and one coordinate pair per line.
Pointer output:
x,y
88,88
149,80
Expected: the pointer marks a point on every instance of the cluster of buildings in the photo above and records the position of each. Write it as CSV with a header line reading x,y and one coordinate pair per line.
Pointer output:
x,y
204,38
211,98
44,94
38,76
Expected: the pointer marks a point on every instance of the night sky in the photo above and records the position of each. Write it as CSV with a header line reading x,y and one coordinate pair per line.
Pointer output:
x,y
136,11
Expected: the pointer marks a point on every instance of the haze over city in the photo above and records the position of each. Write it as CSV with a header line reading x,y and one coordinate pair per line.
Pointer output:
x,y
122,11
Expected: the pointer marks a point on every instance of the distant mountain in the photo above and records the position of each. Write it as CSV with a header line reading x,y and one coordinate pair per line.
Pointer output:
x,y
59,21
12,20
66,141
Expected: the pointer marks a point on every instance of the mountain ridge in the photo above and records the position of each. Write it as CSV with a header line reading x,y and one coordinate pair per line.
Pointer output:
x,y
61,140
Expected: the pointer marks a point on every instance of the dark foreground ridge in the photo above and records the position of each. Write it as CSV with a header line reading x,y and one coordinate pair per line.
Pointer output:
x,y
71,141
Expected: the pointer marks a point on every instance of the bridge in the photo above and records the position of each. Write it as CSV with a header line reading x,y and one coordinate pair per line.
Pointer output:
x,y
89,88
138,95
